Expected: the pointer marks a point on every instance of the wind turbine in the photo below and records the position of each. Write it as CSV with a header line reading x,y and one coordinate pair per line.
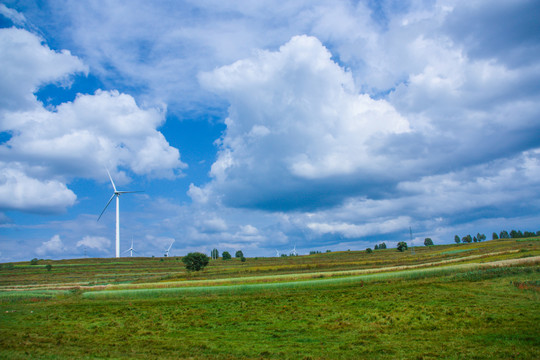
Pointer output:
x,y
167,252
117,194
131,249
277,253
293,251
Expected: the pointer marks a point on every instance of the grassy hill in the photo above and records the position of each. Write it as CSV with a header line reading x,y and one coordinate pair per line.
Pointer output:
x,y
478,300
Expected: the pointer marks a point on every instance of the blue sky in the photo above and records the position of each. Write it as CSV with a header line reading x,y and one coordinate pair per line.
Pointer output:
x,y
264,125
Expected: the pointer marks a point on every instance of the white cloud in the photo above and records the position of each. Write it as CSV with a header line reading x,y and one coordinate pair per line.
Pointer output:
x,y
95,242
52,247
295,116
26,65
13,15
23,193
47,148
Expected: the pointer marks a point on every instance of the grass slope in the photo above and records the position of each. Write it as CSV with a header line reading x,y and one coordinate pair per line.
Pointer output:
x,y
462,307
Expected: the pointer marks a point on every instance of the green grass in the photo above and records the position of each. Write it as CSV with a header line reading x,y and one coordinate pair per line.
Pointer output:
x,y
341,305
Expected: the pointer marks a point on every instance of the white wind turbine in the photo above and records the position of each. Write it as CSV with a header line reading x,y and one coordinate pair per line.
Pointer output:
x,y
293,251
131,249
117,194
167,252
277,253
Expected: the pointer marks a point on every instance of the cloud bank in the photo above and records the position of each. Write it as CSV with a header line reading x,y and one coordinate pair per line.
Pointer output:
x,y
45,148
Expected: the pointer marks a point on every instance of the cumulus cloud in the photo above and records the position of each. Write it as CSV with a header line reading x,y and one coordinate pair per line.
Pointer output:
x,y
295,120
47,148
98,243
20,192
26,64
54,246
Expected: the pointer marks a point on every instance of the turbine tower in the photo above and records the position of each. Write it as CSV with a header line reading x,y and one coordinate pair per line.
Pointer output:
x,y
117,195
167,252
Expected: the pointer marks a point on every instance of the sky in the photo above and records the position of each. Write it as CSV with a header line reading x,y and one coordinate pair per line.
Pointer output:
x,y
265,125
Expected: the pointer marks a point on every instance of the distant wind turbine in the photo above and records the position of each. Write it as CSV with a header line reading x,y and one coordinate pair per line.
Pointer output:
x,y
293,251
117,194
277,253
167,252
131,249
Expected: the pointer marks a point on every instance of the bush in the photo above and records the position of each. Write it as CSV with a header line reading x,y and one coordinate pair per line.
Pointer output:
x,y
239,254
242,259
226,255
34,261
48,267
195,261
428,242
369,251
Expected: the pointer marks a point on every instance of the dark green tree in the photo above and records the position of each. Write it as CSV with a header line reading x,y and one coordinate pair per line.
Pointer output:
x,y
226,255
195,261
428,242
402,246
48,267
376,247
34,261
467,239
242,258
382,246
494,236
457,239
214,254
504,235
369,251
239,254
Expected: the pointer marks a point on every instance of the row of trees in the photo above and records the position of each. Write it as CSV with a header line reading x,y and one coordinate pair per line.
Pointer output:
x,y
469,239
226,255
514,234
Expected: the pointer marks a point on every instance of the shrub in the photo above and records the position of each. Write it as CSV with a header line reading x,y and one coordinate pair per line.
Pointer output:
x,y
195,261
48,267
369,251
34,261
242,259
226,255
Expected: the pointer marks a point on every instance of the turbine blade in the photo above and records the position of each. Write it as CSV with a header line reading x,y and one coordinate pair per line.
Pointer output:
x,y
112,182
127,192
105,208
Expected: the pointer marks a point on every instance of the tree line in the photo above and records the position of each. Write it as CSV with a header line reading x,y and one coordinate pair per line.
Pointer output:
x,y
513,234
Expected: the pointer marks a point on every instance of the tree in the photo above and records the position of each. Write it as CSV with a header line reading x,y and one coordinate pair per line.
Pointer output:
x,y
376,247
480,237
195,261
457,239
467,239
215,254
494,236
48,267
239,254
34,261
402,246
504,235
382,246
242,258
226,255
369,251
428,242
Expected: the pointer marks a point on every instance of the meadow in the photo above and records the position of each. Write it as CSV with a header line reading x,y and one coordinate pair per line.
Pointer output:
x,y
466,301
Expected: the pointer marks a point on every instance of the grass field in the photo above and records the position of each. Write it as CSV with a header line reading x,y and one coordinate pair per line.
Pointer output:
x,y
471,301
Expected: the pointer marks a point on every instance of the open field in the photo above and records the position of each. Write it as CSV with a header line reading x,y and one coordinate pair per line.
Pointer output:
x,y
478,300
